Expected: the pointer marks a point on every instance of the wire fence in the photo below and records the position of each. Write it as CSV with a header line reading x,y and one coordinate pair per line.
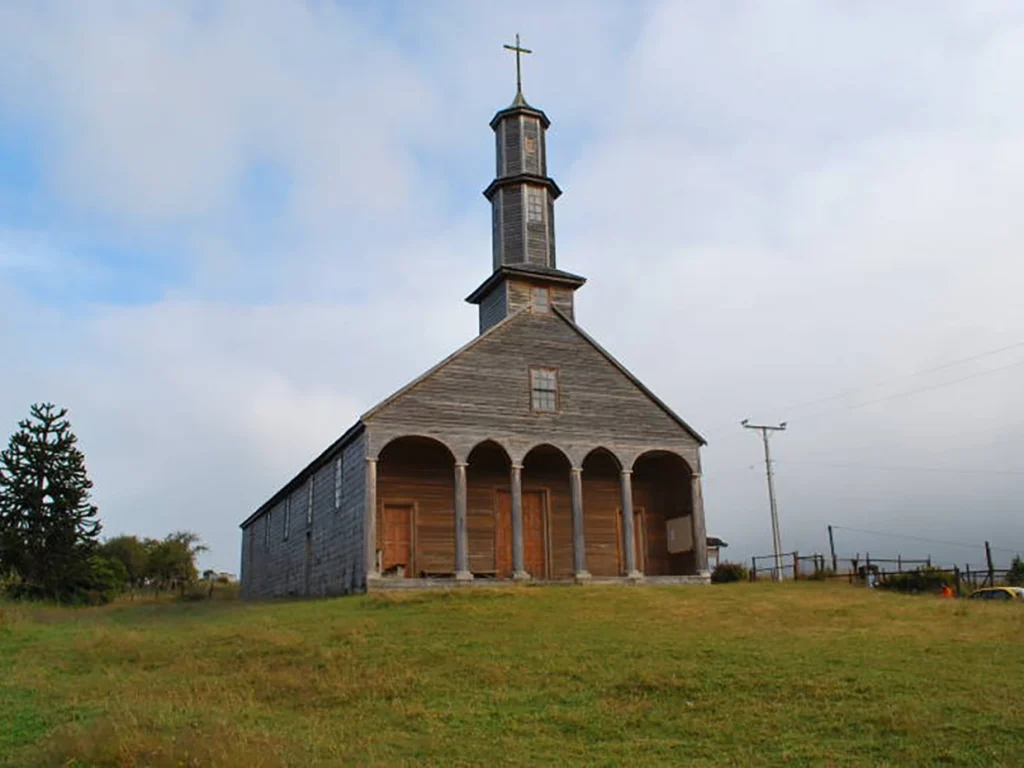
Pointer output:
x,y
868,569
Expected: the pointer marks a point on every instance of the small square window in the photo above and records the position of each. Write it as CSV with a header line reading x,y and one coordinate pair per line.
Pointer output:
x,y
541,300
534,206
544,389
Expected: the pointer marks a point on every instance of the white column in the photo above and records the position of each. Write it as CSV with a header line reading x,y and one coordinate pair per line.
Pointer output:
x,y
516,484
462,572
700,531
579,552
372,565
628,534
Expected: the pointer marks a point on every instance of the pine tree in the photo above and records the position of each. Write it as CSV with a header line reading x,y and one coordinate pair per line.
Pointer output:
x,y
48,528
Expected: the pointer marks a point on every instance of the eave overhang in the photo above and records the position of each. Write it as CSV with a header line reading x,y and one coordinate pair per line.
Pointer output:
x,y
523,178
525,272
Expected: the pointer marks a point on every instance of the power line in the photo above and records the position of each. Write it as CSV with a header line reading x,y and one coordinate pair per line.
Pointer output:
x,y
950,364
917,391
923,539
879,467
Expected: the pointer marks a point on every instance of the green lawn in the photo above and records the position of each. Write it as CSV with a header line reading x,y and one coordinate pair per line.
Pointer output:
x,y
749,674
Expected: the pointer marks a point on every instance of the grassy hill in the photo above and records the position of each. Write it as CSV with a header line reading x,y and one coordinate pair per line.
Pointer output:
x,y
749,674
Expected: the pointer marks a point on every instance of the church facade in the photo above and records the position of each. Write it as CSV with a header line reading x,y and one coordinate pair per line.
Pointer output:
x,y
529,454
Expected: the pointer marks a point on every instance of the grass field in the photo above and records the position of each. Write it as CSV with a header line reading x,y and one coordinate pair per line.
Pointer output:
x,y
749,674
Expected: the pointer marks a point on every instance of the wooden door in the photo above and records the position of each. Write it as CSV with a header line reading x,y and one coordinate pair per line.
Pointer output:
x,y
503,535
640,539
396,537
534,551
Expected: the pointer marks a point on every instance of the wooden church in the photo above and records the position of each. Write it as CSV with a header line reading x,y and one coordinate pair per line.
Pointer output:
x,y
529,454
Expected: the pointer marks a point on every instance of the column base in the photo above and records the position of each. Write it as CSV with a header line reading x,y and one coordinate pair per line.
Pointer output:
x,y
521,576
463,576
581,577
635,576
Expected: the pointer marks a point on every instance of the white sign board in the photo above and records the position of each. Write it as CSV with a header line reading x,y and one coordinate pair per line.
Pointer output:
x,y
679,533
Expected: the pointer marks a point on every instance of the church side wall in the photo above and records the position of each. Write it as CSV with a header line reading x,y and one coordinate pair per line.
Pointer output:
x,y
493,307
323,558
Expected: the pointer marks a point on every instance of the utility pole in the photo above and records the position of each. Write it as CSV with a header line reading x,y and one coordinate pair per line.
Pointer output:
x,y
765,429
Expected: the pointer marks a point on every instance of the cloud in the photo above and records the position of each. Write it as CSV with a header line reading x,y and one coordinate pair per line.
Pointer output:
x,y
773,202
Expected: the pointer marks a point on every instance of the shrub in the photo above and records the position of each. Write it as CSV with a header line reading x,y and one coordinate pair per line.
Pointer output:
x,y
727,572
822,575
1015,576
920,580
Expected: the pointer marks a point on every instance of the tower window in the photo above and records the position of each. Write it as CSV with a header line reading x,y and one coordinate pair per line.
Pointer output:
x,y
541,300
544,389
535,206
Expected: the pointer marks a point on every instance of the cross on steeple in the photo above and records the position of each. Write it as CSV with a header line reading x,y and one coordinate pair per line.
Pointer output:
x,y
519,74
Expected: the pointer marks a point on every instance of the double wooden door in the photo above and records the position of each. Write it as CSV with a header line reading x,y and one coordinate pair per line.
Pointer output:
x,y
535,560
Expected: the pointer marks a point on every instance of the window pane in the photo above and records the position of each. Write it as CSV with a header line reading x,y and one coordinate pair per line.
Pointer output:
x,y
540,299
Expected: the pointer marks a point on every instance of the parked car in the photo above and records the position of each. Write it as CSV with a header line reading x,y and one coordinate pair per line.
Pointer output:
x,y
998,593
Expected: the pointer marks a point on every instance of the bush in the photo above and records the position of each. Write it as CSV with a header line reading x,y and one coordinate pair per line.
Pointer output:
x,y
921,580
727,572
1015,576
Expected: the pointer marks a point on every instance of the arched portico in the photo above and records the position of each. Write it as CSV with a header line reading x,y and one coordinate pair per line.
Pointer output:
x,y
547,514
601,513
668,516
489,510
415,521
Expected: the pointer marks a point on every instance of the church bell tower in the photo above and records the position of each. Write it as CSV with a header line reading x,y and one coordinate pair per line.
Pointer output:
x,y
522,198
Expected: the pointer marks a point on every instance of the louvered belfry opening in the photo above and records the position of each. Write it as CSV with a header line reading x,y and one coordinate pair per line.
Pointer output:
x,y
662,493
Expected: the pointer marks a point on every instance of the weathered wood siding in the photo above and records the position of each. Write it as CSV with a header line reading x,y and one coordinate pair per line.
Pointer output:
x,y
512,225
601,522
332,561
484,393
494,307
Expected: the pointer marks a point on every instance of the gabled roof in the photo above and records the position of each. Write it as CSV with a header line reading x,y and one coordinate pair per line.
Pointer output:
x,y
583,334
625,372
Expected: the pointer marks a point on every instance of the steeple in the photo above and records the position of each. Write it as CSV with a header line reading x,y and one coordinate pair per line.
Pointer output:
x,y
522,198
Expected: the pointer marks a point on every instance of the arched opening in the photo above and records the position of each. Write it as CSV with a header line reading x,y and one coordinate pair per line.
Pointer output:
x,y
488,511
602,521
547,514
415,508
662,515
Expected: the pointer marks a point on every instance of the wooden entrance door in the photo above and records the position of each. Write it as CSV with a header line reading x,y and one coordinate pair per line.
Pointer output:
x,y
534,549
396,537
503,536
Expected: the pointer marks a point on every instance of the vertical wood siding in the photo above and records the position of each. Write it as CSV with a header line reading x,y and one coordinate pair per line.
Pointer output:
x,y
512,224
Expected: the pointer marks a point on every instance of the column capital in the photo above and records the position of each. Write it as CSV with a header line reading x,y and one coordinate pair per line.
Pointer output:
x,y
461,464
371,459
517,466
576,470
695,475
625,471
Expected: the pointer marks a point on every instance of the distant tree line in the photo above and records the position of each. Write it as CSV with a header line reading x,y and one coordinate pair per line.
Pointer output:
x,y
50,546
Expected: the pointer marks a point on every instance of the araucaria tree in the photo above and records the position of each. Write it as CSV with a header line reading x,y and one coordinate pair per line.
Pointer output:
x,y
48,528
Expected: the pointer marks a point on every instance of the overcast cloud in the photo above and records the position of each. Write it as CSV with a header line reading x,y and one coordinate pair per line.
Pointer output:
x,y
227,229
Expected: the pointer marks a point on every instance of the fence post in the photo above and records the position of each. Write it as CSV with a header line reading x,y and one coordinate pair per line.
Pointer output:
x,y
753,569
899,563
796,566
991,571
929,561
956,579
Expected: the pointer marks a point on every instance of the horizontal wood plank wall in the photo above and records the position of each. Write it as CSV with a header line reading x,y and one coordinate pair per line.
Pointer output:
x,y
546,470
421,472
663,490
487,475
601,521
484,393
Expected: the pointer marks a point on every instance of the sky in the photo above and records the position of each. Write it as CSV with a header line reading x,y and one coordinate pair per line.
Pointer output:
x,y
229,228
